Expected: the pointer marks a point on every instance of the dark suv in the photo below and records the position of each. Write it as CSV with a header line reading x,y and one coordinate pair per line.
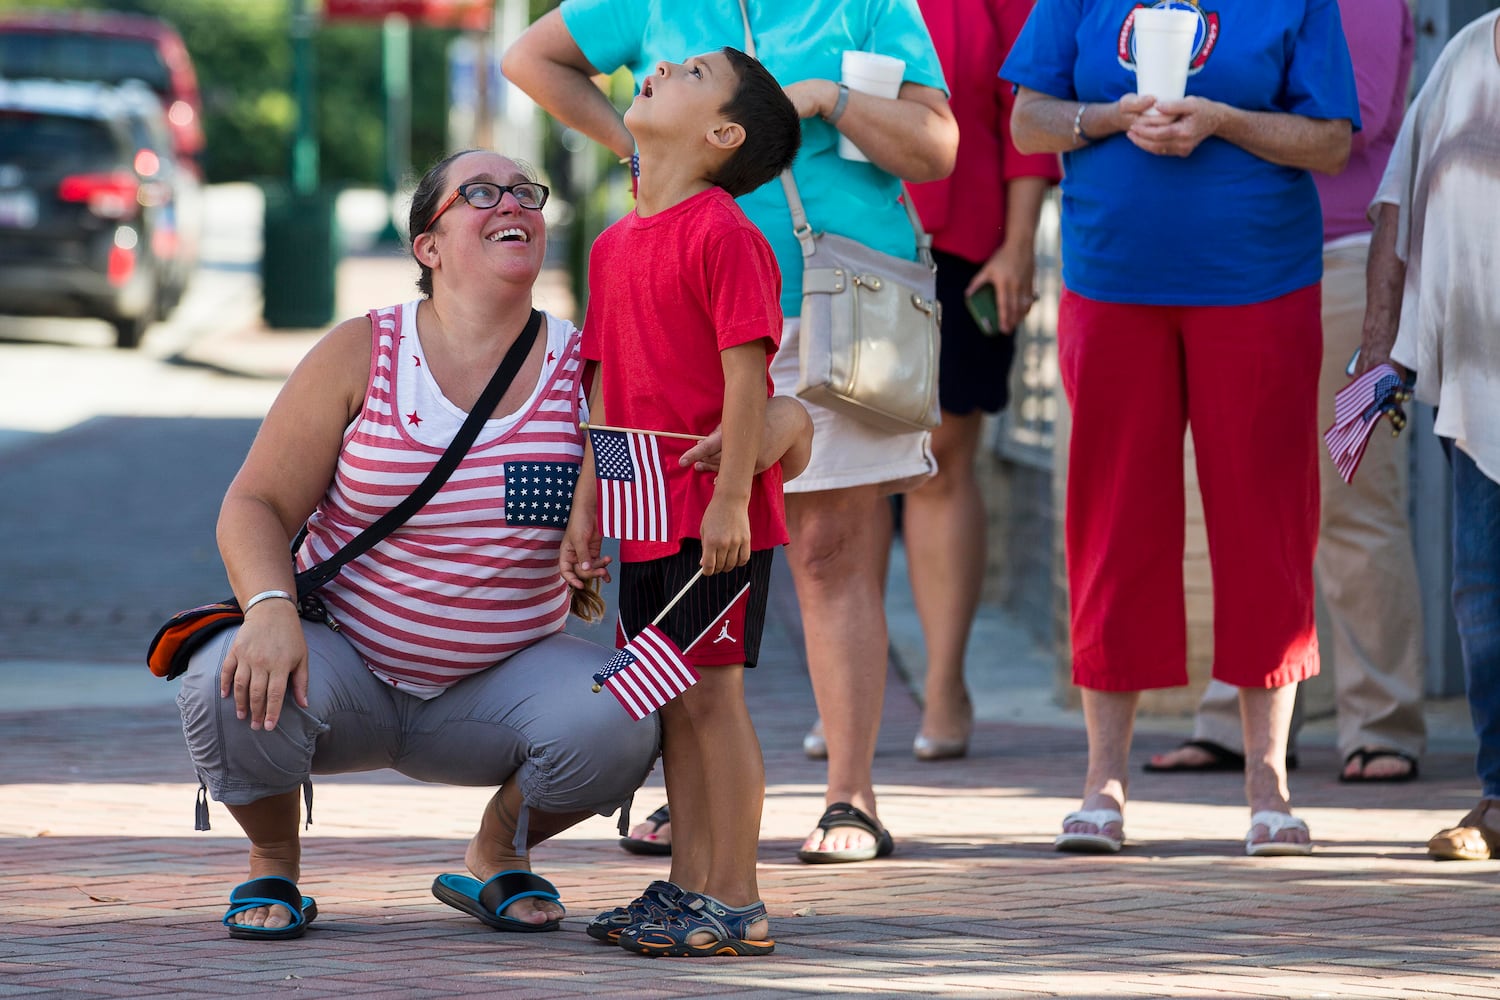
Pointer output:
x,y
88,221
108,47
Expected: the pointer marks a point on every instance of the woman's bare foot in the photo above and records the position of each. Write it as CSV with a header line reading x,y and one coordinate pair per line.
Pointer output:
x,y
1378,764
1187,757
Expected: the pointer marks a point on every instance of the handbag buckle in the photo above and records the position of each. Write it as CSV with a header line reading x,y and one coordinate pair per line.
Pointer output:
x,y
921,303
870,281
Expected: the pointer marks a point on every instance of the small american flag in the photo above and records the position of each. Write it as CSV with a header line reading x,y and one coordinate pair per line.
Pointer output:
x,y
539,493
632,487
647,673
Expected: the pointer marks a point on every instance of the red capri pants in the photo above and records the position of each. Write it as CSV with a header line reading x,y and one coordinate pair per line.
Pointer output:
x,y
1246,378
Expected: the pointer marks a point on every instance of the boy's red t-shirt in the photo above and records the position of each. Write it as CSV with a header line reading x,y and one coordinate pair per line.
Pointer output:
x,y
666,294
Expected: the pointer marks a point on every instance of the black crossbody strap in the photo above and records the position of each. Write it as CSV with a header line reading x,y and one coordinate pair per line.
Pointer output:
x,y
314,577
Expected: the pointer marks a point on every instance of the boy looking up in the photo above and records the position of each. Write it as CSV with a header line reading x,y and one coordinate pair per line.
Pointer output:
x,y
683,319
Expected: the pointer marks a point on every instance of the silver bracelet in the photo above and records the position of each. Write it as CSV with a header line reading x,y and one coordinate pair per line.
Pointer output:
x,y
266,595
833,116
1078,133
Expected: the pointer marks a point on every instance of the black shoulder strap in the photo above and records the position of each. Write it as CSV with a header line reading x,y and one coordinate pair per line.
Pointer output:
x,y
314,577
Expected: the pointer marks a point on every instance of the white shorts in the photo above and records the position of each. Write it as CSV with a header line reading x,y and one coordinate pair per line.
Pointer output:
x,y
846,452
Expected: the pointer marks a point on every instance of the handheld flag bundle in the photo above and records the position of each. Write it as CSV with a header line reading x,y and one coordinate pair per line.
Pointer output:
x,y
1357,408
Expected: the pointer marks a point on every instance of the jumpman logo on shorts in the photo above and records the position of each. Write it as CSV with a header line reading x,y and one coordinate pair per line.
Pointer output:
x,y
723,635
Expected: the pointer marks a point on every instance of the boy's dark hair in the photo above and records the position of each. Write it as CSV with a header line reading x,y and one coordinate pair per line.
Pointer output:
x,y
773,129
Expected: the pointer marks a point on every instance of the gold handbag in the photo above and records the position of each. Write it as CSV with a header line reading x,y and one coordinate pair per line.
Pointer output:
x,y
869,333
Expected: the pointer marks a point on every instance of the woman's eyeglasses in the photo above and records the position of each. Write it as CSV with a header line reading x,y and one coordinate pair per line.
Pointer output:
x,y
483,194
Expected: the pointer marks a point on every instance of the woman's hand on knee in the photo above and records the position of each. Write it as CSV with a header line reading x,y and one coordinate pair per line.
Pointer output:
x,y
268,656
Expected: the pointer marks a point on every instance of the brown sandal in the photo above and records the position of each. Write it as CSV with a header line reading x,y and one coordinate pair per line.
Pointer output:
x,y
1470,840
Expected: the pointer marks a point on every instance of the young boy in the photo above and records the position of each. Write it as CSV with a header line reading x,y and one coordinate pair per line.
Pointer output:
x,y
683,319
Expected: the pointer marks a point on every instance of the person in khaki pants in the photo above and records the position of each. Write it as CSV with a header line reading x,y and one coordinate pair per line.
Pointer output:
x,y
1365,569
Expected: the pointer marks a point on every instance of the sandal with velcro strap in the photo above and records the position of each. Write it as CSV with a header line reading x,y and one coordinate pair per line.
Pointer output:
x,y
696,913
658,902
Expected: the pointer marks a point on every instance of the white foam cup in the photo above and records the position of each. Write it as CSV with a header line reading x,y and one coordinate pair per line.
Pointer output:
x,y
1163,50
869,73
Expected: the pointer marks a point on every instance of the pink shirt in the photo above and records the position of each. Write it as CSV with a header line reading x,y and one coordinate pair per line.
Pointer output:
x,y
965,211
1381,43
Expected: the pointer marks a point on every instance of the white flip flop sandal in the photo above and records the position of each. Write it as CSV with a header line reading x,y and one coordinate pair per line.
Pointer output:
x,y
1275,822
1091,843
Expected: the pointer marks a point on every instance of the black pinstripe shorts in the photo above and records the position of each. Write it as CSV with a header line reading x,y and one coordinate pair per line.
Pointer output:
x,y
717,623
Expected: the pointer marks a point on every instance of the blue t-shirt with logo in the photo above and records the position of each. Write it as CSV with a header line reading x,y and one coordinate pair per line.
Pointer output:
x,y
1218,227
795,40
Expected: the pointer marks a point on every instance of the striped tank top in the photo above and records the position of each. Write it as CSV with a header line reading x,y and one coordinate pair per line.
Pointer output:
x,y
472,577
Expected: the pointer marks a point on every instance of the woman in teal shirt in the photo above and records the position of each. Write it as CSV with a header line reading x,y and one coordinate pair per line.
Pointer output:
x,y
840,523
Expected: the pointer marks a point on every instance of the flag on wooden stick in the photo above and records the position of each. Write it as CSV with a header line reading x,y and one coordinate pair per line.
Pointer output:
x,y
647,673
632,486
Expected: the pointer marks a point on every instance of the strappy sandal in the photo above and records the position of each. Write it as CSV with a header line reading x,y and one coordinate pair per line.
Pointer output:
x,y
1365,756
695,914
658,819
658,902
844,814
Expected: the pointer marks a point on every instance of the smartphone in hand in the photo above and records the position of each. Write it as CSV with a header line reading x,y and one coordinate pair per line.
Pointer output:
x,y
986,312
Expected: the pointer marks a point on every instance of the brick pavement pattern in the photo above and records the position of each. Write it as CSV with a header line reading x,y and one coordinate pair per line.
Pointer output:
x,y
105,890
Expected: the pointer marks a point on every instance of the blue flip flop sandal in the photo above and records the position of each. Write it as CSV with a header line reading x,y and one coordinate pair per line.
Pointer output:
x,y
486,901
272,890
695,913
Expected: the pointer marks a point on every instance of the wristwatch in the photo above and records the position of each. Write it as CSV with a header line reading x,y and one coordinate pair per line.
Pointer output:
x,y
833,116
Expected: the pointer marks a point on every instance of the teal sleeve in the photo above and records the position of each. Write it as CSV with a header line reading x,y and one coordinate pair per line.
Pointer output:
x,y
608,32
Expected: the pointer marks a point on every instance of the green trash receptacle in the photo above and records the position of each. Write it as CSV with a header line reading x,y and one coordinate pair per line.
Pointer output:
x,y
300,257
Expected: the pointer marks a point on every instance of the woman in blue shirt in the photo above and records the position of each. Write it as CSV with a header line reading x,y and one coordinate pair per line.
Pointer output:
x,y
1192,252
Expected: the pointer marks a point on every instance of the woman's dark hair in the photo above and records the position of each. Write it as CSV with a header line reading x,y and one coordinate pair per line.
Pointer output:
x,y
431,190
773,129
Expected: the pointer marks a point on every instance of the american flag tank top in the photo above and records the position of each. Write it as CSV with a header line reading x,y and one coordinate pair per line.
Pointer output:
x,y
472,577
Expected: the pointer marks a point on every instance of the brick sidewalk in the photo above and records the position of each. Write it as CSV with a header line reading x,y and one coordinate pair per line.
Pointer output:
x,y
107,892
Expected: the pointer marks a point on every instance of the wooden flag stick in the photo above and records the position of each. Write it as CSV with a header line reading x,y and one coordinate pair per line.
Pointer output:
x,y
633,430
598,686
680,594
